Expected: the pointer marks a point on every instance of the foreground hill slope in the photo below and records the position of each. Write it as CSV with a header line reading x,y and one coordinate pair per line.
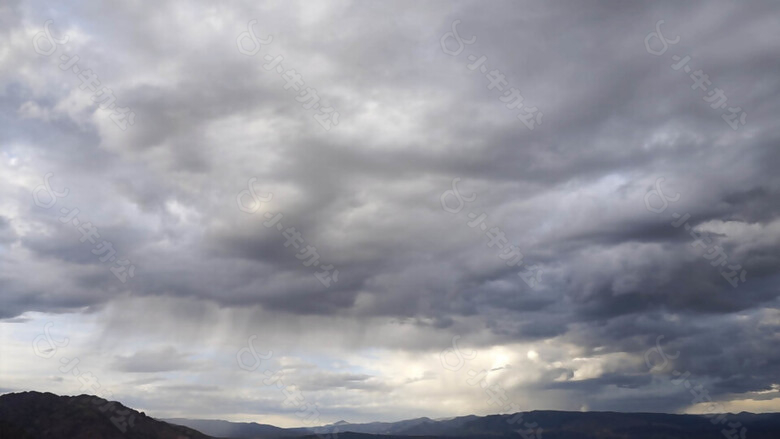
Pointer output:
x,y
34,415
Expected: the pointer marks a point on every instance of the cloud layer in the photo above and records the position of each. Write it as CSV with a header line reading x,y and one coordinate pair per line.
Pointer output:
x,y
571,194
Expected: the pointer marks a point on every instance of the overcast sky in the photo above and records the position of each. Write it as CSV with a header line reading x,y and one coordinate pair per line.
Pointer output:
x,y
632,162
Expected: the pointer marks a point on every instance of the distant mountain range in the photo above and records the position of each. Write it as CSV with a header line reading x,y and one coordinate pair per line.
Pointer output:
x,y
33,415
225,429
554,425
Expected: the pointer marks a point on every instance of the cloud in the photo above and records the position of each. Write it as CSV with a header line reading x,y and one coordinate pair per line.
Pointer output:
x,y
160,360
570,194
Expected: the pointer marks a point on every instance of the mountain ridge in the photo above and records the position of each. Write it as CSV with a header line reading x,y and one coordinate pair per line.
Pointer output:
x,y
33,415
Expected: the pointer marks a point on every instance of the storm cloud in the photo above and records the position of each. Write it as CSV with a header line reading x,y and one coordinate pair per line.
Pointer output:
x,y
218,147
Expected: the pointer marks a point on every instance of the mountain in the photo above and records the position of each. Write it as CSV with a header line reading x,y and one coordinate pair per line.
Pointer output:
x,y
591,425
369,428
555,425
570,425
34,415
225,429
448,427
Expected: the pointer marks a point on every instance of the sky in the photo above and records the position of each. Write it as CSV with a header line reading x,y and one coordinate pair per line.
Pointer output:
x,y
396,209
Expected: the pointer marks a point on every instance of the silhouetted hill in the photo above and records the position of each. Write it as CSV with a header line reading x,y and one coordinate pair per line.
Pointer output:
x,y
34,415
